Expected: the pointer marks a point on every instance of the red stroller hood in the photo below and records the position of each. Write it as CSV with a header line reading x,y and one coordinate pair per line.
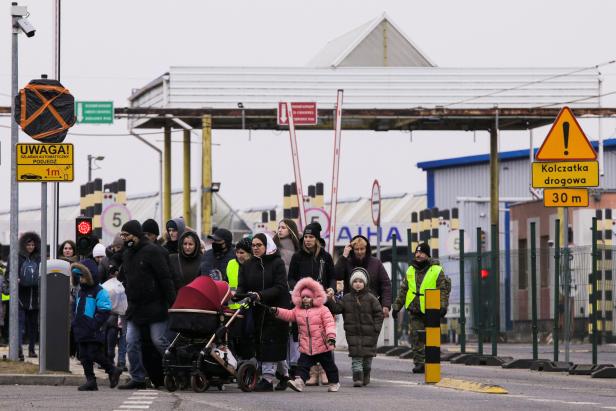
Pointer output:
x,y
203,293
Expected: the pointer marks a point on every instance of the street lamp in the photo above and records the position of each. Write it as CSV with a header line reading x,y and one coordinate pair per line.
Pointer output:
x,y
92,158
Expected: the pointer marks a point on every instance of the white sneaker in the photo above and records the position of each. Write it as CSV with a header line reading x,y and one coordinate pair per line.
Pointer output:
x,y
296,385
334,387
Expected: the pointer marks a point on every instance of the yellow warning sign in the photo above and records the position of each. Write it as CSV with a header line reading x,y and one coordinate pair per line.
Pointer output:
x,y
565,174
40,173
566,140
565,197
38,162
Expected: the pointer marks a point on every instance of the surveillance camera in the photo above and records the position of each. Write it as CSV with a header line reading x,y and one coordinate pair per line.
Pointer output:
x,y
26,27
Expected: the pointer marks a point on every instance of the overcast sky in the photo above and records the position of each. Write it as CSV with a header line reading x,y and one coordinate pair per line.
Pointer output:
x,y
111,47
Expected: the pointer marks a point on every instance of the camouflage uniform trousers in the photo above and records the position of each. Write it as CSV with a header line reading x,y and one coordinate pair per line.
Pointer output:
x,y
418,338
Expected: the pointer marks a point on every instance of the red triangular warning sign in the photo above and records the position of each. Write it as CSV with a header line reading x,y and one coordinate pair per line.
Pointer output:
x,y
566,140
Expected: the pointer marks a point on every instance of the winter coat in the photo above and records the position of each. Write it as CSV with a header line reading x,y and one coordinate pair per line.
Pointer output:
x,y
28,296
267,277
212,261
185,266
379,282
92,309
316,324
363,319
442,283
149,287
317,266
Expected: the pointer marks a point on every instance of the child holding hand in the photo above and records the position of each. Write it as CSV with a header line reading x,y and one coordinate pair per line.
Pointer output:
x,y
317,332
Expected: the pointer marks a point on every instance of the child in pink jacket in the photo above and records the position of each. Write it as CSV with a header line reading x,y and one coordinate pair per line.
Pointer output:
x,y
317,332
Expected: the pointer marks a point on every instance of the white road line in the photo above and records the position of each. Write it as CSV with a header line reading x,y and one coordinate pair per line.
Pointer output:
x,y
134,407
609,408
129,401
581,403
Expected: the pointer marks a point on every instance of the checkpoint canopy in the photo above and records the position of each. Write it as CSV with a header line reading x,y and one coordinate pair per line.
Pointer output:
x,y
565,162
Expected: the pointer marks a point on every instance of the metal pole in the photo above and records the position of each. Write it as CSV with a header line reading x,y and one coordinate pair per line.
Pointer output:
x,y
167,175
378,240
494,213
462,297
593,296
478,311
206,175
394,279
555,335
533,288
494,285
43,272
89,167
567,279
186,179
160,174
13,260
55,187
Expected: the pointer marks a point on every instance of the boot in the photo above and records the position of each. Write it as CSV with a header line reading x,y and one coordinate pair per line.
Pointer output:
x,y
114,377
366,377
323,376
314,376
282,383
418,369
264,386
90,385
133,385
358,378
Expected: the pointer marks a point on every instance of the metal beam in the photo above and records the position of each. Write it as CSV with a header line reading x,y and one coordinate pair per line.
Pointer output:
x,y
167,177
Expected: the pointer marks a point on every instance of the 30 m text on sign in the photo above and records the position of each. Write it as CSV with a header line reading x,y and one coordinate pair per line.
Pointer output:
x,y
565,197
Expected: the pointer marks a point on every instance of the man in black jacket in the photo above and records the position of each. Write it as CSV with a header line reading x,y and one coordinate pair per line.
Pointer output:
x,y
150,292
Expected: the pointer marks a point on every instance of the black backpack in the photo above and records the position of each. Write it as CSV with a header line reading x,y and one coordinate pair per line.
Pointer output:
x,y
29,274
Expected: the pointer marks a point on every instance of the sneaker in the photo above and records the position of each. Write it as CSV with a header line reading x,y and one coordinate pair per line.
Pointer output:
x,y
114,377
418,369
297,384
334,387
32,354
90,385
133,385
264,386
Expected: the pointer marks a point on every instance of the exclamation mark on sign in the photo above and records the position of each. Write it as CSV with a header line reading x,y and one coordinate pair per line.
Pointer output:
x,y
566,136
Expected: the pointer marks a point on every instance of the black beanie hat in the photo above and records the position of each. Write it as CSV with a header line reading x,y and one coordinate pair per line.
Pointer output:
x,y
244,244
313,229
150,226
424,248
133,227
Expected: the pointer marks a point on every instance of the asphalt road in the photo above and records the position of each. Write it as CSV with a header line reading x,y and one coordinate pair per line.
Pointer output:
x,y
393,388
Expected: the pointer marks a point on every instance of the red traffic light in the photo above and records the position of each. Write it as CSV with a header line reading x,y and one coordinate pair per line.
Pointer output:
x,y
484,274
84,227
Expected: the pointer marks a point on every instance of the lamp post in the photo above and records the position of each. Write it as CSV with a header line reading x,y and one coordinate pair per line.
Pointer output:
x,y
92,158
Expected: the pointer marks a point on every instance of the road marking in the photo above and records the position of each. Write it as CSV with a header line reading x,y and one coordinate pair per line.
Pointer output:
x,y
134,402
139,400
581,403
134,407
471,386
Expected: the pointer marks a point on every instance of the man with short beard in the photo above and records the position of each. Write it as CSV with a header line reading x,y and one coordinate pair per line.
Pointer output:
x,y
150,292
423,273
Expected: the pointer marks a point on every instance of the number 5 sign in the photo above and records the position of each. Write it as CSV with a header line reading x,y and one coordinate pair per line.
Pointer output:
x,y
114,217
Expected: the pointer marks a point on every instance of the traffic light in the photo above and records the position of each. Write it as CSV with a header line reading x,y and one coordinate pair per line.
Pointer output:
x,y
83,235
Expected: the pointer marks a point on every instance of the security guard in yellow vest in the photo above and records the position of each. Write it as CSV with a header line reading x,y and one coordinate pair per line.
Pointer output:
x,y
243,252
423,273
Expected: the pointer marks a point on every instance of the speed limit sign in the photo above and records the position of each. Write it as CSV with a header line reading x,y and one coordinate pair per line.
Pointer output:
x,y
113,218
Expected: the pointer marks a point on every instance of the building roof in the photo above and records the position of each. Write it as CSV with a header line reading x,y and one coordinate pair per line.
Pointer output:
x,y
609,144
378,42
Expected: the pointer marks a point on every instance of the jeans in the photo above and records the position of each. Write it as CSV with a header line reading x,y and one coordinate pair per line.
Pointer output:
x,y
361,364
326,360
158,334
268,370
122,343
28,326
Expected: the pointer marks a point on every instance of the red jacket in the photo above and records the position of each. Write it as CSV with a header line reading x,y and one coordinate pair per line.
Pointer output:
x,y
316,324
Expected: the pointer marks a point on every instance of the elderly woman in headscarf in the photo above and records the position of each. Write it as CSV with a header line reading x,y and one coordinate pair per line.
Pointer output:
x,y
264,278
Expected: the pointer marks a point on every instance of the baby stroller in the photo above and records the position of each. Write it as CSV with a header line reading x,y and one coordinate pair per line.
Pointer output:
x,y
200,354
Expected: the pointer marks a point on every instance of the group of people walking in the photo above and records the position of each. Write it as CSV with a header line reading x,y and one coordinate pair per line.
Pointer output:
x,y
122,293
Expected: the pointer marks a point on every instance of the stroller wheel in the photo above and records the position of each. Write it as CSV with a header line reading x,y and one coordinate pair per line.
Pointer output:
x,y
247,377
199,382
170,383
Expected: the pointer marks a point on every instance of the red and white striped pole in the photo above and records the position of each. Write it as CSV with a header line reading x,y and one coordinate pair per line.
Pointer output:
x,y
335,172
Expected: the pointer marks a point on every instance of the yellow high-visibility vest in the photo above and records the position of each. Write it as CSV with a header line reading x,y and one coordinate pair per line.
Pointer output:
x,y
233,269
429,282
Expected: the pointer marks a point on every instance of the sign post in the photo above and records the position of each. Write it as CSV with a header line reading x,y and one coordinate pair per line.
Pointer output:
x,y
566,159
375,203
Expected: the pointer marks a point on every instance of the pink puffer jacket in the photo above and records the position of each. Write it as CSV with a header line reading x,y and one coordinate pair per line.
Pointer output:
x,y
316,324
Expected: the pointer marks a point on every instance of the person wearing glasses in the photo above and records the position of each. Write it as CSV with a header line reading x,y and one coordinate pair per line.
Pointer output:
x,y
150,292
264,278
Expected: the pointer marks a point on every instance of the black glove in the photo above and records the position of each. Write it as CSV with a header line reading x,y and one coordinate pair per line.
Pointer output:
x,y
272,310
443,312
253,296
394,313
331,341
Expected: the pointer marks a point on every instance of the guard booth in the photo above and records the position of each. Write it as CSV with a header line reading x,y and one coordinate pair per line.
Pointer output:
x,y
58,321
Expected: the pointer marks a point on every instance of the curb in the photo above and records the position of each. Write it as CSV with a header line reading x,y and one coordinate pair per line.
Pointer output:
x,y
45,379
464,385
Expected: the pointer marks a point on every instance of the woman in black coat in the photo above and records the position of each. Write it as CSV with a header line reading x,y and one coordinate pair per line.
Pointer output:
x,y
186,262
265,277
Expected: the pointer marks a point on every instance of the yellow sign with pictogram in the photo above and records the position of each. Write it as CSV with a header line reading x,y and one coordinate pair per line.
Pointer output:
x,y
565,197
566,141
38,162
